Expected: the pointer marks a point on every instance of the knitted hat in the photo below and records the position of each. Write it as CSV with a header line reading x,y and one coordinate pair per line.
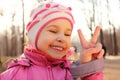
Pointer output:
x,y
43,15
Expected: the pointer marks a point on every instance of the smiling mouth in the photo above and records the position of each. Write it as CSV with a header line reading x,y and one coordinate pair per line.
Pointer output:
x,y
58,48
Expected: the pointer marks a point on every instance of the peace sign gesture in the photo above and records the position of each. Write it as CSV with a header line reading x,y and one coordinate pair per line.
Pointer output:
x,y
90,50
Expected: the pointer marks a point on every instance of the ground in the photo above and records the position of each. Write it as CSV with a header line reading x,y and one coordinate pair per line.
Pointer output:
x,y
112,68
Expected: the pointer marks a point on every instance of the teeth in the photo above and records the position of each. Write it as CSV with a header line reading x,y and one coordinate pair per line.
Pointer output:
x,y
58,48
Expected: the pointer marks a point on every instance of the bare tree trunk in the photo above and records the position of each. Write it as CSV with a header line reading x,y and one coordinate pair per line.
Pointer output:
x,y
23,25
93,19
113,36
6,52
115,42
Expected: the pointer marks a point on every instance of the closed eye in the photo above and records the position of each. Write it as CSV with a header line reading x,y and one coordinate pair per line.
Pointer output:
x,y
52,31
67,34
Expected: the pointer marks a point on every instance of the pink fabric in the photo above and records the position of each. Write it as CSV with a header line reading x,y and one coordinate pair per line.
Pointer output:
x,y
97,76
36,67
70,52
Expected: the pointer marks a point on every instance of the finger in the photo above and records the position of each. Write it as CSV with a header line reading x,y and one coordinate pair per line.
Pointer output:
x,y
95,35
100,55
98,48
90,52
86,55
83,41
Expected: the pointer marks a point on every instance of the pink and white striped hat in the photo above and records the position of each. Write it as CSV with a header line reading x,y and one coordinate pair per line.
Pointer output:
x,y
43,15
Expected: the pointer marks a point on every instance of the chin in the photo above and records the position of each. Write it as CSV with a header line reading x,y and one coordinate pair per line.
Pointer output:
x,y
60,57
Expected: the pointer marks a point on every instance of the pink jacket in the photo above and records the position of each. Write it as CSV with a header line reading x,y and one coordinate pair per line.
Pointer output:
x,y
36,67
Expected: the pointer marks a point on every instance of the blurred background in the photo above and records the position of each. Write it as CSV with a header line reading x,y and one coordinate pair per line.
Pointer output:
x,y
14,15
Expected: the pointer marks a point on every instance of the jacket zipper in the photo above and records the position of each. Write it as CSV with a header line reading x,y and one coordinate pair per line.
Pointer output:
x,y
50,77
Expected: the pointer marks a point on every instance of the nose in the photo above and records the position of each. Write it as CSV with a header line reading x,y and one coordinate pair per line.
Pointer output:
x,y
61,38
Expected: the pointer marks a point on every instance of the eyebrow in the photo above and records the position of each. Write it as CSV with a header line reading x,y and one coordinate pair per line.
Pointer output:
x,y
56,27
52,26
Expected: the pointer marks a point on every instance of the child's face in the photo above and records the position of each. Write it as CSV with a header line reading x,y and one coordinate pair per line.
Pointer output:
x,y
54,39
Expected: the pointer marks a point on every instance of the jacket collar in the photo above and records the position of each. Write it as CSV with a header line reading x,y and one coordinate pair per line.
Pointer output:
x,y
32,58
41,60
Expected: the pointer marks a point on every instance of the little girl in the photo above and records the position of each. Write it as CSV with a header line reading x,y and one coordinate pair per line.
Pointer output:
x,y
49,31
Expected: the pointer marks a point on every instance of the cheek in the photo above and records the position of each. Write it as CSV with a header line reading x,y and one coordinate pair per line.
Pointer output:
x,y
48,39
44,40
69,43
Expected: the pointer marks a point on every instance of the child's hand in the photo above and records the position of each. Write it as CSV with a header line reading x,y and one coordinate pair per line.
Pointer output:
x,y
90,50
